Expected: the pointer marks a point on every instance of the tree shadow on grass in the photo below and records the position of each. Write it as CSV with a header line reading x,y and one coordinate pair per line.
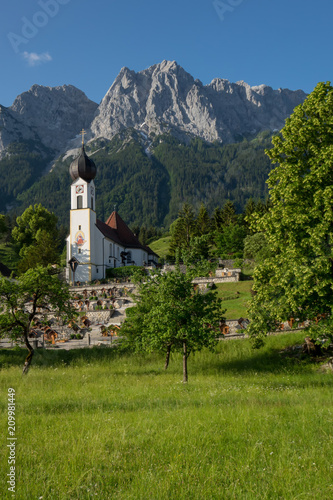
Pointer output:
x,y
56,357
270,362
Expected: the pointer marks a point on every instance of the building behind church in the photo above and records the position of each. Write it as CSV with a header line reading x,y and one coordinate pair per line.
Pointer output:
x,y
95,245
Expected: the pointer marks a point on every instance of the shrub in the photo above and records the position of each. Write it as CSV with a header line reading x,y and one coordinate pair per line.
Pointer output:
x,y
125,272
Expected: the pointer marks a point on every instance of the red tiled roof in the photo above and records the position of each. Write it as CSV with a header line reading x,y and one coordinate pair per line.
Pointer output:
x,y
108,231
124,233
116,230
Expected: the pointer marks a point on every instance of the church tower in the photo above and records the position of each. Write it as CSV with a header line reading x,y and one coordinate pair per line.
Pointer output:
x,y
94,246
81,241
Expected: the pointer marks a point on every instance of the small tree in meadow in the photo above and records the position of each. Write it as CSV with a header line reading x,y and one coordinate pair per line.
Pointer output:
x,y
38,291
171,315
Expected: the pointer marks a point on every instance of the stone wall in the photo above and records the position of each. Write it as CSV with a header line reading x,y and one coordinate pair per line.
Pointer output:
x,y
229,263
228,273
102,317
95,289
208,281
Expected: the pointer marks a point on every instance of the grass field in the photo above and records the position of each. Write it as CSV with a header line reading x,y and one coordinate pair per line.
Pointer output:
x,y
161,246
100,424
236,296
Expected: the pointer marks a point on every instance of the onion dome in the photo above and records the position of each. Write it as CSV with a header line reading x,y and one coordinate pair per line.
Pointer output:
x,y
83,167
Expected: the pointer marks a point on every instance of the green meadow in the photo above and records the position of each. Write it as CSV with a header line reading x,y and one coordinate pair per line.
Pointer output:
x,y
99,423
235,296
161,246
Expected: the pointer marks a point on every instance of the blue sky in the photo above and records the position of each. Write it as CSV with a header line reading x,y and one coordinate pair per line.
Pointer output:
x,y
282,43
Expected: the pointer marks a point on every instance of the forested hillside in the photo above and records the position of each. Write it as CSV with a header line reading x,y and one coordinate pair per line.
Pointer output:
x,y
150,186
23,164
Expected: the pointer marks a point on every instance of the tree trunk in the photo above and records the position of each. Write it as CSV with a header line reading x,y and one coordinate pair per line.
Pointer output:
x,y
167,359
184,363
28,359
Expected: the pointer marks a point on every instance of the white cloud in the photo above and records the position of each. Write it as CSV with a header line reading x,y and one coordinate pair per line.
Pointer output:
x,y
34,59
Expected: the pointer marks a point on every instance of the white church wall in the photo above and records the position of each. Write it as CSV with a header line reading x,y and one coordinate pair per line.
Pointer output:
x,y
139,256
109,254
97,254
117,252
82,226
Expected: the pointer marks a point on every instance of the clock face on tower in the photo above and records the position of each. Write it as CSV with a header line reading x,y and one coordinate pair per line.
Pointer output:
x,y
79,189
92,191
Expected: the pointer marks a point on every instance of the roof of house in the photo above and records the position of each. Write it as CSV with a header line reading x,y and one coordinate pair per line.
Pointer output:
x,y
124,233
117,230
108,232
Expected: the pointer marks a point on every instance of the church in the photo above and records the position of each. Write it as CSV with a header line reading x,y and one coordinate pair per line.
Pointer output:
x,y
94,246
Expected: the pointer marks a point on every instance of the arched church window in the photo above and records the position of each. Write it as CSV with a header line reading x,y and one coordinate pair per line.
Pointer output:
x,y
79,201
92,203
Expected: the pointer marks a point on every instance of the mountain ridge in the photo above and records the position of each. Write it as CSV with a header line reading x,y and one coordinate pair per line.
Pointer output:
x,y
49,115
162,98
165,98
41,131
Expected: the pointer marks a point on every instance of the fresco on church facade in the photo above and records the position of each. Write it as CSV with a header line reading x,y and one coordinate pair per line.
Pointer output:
x,y
79,239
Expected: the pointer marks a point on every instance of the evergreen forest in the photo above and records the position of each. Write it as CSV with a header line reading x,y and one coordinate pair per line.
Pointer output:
x,y
147,185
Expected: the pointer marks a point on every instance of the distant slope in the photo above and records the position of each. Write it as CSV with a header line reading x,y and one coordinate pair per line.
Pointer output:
x,y
23,163
161,246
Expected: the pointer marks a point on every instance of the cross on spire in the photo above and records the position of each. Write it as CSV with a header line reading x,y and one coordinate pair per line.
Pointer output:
x,y
83,133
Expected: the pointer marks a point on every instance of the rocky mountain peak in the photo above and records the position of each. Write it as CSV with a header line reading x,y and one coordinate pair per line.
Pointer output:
x,y
165,98
54,114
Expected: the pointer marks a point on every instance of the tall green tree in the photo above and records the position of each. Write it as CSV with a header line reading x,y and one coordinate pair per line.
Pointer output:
x,y
3,225
37,235
37,292
33,219
217,221
297,279
203,221
44,251
255,247
183,229
228,214
171,315
230,241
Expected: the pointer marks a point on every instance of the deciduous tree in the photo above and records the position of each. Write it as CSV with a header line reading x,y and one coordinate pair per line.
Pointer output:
x,y
296,280
171,315
230,241
38,291
38,237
